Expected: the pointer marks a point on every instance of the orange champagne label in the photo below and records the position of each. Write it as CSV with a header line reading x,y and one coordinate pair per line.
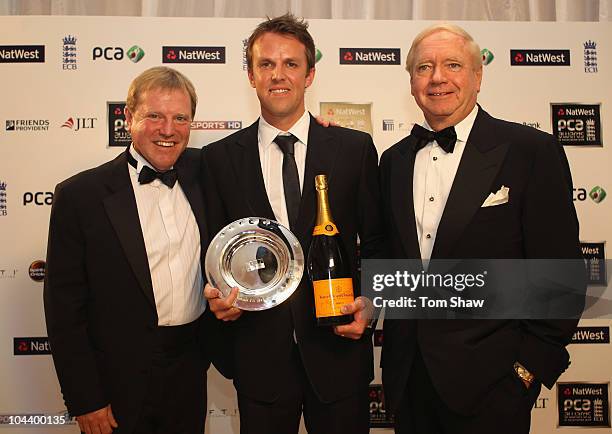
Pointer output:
x,y
331,295
328,229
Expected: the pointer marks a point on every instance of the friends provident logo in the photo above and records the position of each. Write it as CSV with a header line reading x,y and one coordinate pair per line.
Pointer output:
x,y
27,125
523,57
176,54
370,56
22,53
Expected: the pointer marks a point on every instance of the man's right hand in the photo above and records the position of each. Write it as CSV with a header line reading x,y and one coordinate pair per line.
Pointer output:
x,y
100,421
223,308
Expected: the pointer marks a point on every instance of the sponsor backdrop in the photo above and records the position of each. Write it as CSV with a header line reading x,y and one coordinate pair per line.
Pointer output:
x,y
65,81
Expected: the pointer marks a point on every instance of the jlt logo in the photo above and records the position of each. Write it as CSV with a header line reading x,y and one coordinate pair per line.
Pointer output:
x,y
77,124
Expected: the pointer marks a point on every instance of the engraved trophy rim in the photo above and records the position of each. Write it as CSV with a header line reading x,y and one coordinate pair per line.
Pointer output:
x,y
225,264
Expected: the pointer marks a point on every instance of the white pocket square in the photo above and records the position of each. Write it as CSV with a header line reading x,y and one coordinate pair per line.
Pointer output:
x,y
498,198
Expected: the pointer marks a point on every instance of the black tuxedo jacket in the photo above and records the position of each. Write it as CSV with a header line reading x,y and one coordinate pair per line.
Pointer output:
x,y
263,341
99,303
465,358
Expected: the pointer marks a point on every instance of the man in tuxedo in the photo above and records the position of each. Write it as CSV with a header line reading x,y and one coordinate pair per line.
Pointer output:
x,y
283,364
123,291
471,376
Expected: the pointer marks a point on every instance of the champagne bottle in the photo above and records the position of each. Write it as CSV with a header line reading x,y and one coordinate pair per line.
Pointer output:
x,y
328,264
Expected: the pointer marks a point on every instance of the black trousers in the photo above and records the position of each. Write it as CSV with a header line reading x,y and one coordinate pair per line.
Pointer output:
x,y
506,410
175,402
347,416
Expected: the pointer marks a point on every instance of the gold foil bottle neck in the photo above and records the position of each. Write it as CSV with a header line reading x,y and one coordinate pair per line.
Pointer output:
x,y
321,182
323,210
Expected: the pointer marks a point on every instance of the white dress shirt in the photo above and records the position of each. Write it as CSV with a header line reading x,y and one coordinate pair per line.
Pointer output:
x,y
271,158
434,173
172,241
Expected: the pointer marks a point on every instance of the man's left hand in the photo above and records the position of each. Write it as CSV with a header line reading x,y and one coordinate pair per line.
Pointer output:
x,y
362,311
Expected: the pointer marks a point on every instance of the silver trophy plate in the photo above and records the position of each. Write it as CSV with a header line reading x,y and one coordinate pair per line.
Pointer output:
x,y
259,256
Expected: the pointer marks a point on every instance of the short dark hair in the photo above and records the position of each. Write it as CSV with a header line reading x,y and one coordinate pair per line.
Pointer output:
x,y
288,25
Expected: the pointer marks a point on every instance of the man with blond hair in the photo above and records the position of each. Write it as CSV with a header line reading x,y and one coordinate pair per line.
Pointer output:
x,y
471,376
123,291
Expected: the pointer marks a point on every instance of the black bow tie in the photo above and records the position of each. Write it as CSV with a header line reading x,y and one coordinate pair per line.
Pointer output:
x,y
147,175
446,138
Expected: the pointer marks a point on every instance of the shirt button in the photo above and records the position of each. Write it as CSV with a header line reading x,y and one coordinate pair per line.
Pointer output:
x,y
431,199
428,236
435,158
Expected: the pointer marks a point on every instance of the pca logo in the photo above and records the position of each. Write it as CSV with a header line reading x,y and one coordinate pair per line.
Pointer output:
x,y
369,56
522,57
487,56
597,194
118,135
193,54
134,53
576,124
31,346
583,404
590,56
69,53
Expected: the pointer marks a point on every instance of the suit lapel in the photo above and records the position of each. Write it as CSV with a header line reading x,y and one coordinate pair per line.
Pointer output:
x,y
321,154
122,212
244,154
480,163
402,201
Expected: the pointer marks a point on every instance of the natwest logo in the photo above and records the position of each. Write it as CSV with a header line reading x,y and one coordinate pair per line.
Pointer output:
x,y
591,335
22,53
370,56
193,54
523,57
134,53
31,346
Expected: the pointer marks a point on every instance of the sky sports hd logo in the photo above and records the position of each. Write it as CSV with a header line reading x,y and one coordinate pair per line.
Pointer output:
x,y
193,54
522,57
370,56
22,53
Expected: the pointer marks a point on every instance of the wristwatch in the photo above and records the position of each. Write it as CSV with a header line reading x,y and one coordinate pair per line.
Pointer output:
x,y
523,373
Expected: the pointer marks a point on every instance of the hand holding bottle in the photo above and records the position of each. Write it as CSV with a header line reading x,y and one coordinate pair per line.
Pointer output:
x,y
362,311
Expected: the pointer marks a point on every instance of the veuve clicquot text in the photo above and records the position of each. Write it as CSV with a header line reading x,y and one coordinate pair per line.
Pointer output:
x,y
328,265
